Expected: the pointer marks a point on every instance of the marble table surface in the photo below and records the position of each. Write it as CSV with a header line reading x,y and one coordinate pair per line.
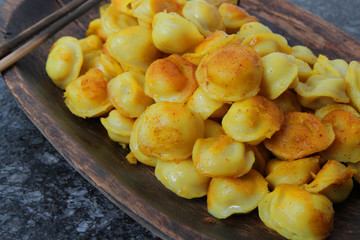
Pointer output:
x,y
43,197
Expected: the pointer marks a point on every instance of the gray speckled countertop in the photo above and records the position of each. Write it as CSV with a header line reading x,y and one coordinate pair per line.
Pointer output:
x,y
43,197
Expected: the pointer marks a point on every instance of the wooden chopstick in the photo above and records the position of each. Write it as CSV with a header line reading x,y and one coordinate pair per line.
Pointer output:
x,y
62,21
39,26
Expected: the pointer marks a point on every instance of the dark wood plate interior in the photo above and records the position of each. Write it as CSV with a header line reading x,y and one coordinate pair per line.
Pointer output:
x,y
85,144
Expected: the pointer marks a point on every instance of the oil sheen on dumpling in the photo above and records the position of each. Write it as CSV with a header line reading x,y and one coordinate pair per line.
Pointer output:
x,y
200,103
230,73
170,79
222,156
280,70
345,147
205,16
87,96
227,196
168,131
174,34
181,178
133,47
334,180
127,94
252,120
296,172
301,134
118,126
296,213
64,61
234,17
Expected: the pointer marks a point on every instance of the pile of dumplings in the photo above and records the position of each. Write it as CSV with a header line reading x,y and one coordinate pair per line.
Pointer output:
x,y
221,107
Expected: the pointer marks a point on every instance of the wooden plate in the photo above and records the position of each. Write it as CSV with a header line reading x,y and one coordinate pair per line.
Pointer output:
x,y
85,144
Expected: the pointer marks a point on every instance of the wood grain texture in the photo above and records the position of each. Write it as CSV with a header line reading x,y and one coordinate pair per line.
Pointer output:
x,y
84,143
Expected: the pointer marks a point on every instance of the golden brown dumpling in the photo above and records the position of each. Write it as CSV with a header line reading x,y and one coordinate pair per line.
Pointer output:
x,y
287,102
356,168
262,156
170,79
216,39
213,129
64,61
280,70
334,180
252,120
321,90
90,43
301,134
296,172
200,103
234,17
221,156
126,6
168,131
133,47
322,112
174,34
304,53
296,213
87,96
118,126
112,21
227,196
345,147
181,178
266,43
126,93
353,84
205,16
230,73
134,146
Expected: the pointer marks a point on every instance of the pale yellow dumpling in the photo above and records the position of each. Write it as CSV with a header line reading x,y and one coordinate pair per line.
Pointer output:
x,y
217,3
296,172
296,213
345,147
353,84
91,60
280,70
181,178
200,103
301,134
118,126
227,196
126,6
322,112
168,131
174,34
304,70
216,39
234,17
334,180
112,21
288,102
170,79
87,96
251,28
333,68
230,73
133,47
146,10
134,146
205,16
110,66
266,43
213,129
95,28
127,94
64,61
321,90
304,53
252,120
221,156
